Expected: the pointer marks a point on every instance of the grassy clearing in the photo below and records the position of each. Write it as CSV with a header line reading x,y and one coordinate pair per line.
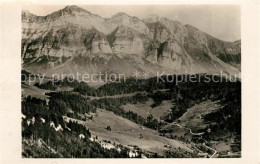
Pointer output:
x,y
193,118
145,109
34,91
127,132
142,109
161,110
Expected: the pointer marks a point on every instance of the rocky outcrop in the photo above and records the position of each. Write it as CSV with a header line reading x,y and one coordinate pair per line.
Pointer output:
x,y
73,39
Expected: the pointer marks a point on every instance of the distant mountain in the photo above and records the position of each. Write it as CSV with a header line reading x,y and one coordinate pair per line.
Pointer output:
x,y
75,40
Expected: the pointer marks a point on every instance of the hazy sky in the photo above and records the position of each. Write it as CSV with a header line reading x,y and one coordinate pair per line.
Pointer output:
x,y
220,21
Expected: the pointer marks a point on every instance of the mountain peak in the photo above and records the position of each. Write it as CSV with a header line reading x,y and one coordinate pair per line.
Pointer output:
x,y
69,10
26,11
119,14
74,8
152,18
27,14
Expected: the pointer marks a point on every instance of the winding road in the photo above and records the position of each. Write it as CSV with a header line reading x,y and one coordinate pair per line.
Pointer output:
x,y
215,151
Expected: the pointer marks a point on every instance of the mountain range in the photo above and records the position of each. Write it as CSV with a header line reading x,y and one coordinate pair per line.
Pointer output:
x,y
74,40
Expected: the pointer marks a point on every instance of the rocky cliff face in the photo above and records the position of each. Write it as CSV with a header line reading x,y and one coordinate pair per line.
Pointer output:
x,y
74,40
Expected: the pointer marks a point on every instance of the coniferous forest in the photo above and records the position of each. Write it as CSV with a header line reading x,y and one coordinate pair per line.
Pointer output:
x,y
75,104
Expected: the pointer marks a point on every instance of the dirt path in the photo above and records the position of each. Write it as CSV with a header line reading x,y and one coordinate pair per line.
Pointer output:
x,y
215,151
124,95
174,123
114,96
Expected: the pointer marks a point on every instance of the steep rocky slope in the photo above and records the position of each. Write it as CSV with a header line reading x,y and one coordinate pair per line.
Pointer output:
x,y
74,40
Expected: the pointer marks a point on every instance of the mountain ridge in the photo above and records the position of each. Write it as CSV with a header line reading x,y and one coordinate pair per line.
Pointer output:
x,y
166,44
